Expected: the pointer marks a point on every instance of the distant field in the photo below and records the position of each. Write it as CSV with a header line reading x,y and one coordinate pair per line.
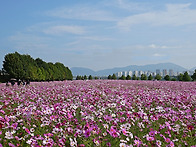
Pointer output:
x,y
98,113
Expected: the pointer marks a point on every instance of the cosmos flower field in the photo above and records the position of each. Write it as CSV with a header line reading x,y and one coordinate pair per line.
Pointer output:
x,y
98,113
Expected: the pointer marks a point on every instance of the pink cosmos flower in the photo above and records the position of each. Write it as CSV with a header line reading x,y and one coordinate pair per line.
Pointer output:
x,y
124,132
149,138
27,130
11,145
190,127
108,144
48,135
113,132
2,111
167,140
14,125
7,118
87,133
171,144
69,115
137,143
152,133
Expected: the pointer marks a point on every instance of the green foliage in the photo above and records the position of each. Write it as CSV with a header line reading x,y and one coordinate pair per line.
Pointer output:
x,y
128,77
180,77
173,79
114,77
144,77
158,77
167,78
186,77
109,77
85,77
13,65
134,77
78,77
90,77
194,76
96,78
122,77
150,77
25,67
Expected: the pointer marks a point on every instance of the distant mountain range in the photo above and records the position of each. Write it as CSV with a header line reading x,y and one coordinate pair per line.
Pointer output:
x,y
150,67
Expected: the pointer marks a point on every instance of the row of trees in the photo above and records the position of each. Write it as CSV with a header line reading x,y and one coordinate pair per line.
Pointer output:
x,y
25,67
180,77
134,77
90,77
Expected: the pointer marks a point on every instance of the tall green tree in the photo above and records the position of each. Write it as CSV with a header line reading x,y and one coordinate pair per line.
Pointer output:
x,y
186,77
158,77
144,77
167,78
109,77
150,77
134,77
114,77
128,77
122,77
85,77
180,77
78,77
90,77
14,65
194,76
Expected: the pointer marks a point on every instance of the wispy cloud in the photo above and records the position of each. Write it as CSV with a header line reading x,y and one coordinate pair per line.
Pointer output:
x,y
29,42
97,38
61,29
82,13
158,55
132,6
174,15
154,46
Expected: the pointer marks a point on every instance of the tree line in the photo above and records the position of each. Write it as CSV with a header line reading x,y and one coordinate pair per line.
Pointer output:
x,y
25,67
85,77
180,77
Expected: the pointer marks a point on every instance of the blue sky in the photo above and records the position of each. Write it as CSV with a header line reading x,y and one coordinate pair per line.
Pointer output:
x,y
100,34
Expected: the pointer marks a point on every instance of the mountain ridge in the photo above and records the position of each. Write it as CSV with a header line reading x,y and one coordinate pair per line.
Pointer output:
x,y
149,67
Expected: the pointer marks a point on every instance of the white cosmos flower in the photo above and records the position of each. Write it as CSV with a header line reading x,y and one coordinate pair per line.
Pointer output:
x,y
113,115
123,145
32,130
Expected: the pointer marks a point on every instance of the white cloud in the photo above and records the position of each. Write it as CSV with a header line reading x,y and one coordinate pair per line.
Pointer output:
x,y
132,6
96,38
154,46
61,29
82,13
174,15
158,55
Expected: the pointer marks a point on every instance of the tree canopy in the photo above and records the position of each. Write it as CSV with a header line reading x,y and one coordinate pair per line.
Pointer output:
x,y
150,77
158,77
186,77
144,77
194,76
25,67
167,78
